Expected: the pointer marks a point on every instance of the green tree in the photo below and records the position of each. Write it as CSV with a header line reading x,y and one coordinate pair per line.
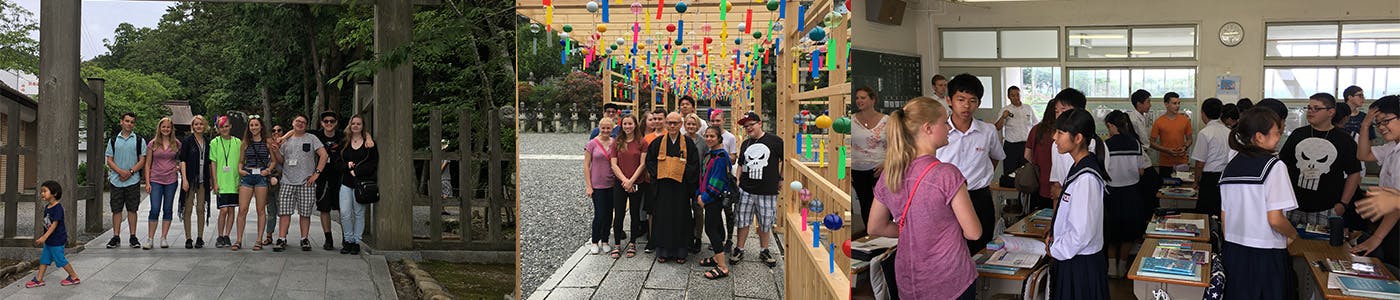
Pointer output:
x,y
131,91
17,50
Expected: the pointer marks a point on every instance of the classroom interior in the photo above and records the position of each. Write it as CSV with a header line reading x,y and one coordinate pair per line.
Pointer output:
x,y
1283,49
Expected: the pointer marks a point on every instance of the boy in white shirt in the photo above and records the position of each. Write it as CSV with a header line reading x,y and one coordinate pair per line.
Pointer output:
x,y
1015,121
974,148
1210,154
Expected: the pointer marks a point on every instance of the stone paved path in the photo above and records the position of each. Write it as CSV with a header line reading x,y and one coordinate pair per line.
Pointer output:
x,y
214,273
554,229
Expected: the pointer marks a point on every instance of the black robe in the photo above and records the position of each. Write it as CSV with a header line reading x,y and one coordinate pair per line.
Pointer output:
x,y
672,224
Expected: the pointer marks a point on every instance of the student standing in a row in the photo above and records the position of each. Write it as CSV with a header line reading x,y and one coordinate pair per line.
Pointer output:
x,y
1076,243
1171,134
1211,154
974,148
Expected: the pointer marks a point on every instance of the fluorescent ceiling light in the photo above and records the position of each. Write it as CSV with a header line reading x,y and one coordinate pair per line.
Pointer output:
x,y
1096,36
1115,55
1140,52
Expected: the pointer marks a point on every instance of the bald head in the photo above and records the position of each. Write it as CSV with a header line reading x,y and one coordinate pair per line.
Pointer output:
x,y
673,123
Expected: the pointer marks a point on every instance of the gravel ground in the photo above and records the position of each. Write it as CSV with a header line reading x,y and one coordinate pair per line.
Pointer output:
x,y
554,212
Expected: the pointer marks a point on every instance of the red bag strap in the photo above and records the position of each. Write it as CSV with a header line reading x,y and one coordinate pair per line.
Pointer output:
x,y
910,199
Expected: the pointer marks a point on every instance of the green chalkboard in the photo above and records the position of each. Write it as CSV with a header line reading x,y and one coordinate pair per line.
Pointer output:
x,y
896,78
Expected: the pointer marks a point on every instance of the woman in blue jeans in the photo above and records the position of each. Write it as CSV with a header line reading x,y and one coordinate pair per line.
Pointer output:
x,y
257,164
162,179
361,162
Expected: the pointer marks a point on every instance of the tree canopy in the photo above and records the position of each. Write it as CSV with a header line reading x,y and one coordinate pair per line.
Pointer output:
x,y
17,50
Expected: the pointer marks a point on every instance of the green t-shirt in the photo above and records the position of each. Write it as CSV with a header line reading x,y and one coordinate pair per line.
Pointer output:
x,y
225,153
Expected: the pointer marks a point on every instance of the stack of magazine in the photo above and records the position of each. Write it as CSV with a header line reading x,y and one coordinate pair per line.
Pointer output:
x,y
1174,259
1171,226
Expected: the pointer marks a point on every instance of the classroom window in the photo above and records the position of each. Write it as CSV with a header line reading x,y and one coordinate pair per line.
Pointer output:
x,y
1161,81
1374,39
1375,82
969,44
1040,43
1172,42
1301,40
1100,83
1097,43
1299,83
1038,84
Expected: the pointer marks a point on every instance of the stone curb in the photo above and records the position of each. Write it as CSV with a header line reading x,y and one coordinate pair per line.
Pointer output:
x,y
428,288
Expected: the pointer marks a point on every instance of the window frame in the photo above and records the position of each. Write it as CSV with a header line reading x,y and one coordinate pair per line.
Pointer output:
x,y
1195,43
1059,52
1264,39
1066,82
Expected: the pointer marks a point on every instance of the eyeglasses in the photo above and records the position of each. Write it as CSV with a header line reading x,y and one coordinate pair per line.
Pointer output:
x,y
1317,108
328,121
1379,122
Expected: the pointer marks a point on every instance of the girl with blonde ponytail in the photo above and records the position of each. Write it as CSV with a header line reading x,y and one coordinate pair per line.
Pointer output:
x,y
930,199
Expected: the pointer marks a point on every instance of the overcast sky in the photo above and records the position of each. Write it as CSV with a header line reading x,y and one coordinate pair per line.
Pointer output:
x,y
101,17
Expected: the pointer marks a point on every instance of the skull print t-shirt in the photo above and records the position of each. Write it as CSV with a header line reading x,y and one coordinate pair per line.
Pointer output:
x,y
1318,162
760,160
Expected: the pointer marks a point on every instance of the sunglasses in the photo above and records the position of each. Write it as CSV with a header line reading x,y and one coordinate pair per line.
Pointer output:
x,y
328,121
250,117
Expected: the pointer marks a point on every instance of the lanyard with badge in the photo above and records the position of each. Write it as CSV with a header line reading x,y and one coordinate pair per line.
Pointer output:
x,y
226,162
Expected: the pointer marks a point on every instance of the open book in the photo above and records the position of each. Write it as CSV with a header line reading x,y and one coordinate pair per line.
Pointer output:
x,y
1018,252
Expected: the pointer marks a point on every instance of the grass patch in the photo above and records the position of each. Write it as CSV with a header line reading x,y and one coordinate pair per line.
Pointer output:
x,y
473,281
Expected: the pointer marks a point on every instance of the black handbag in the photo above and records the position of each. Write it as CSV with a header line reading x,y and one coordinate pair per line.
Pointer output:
x,y
367,192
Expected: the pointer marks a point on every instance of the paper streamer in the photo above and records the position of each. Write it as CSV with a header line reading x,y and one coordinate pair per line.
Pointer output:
x,y
841,162
794,73
724,13
816,235
807,143
605,11
782,9
821,152
816,63
831,258
660,6
799,143
804,219
801,22
831,56
748,21
680,30
548,14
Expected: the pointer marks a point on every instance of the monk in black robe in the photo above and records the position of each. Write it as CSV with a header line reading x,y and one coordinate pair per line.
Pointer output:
x,y
676,165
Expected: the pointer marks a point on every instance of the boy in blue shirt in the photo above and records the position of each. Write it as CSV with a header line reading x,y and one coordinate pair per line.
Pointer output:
x,y
54,238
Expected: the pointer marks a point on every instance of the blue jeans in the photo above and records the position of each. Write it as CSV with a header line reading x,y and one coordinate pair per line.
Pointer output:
x,y
163,201
352,216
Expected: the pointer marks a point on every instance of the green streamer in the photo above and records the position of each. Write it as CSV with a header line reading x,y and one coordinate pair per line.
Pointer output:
x,y
841,163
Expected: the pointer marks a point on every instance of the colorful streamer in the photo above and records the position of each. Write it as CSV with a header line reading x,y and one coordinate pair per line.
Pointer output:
x,y
841,162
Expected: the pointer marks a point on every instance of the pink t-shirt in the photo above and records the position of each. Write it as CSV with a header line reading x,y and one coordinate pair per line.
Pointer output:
x,y
600,168
932,250
164,163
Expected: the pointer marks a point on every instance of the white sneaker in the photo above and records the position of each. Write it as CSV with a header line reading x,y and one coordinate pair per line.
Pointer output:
x,y
163,244
593,248
606,248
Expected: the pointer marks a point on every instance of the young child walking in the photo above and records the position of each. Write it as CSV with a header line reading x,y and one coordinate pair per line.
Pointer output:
x,y
1125,212
1081,270
54,238
1255,192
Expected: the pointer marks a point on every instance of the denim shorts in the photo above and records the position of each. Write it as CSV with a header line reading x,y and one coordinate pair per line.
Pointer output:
x,y
54,255
253,180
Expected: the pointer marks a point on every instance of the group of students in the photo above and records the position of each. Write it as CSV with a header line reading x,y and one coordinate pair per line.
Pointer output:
x,y
676,173
936,157
313,172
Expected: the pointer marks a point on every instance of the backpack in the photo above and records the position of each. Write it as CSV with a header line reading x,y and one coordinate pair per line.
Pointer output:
x,y
140,147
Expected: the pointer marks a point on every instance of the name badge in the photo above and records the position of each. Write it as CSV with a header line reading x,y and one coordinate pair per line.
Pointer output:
x,y
227,169
291,162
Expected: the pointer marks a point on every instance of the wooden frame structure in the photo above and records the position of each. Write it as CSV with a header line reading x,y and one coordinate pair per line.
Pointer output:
x,y
806,273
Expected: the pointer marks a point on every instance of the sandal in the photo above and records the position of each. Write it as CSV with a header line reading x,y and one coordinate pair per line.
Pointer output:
x,y
680,261
257,246
236,246
716,273
660,259
615,253
708,262
266,242
631,250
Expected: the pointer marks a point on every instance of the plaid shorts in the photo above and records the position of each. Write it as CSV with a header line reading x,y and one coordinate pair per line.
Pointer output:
x,y
765,206
300,199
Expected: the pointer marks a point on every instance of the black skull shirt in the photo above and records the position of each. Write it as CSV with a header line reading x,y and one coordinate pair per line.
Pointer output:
x,y
1318,162
760,161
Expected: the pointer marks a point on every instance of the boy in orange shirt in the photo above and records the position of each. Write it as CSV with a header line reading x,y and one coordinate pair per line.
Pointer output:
x,y
1171,136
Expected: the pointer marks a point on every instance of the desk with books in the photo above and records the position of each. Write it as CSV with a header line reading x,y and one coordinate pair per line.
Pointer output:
x,y
1379,278
1034,225
1177,197
1178,286
1186,226
1005,270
